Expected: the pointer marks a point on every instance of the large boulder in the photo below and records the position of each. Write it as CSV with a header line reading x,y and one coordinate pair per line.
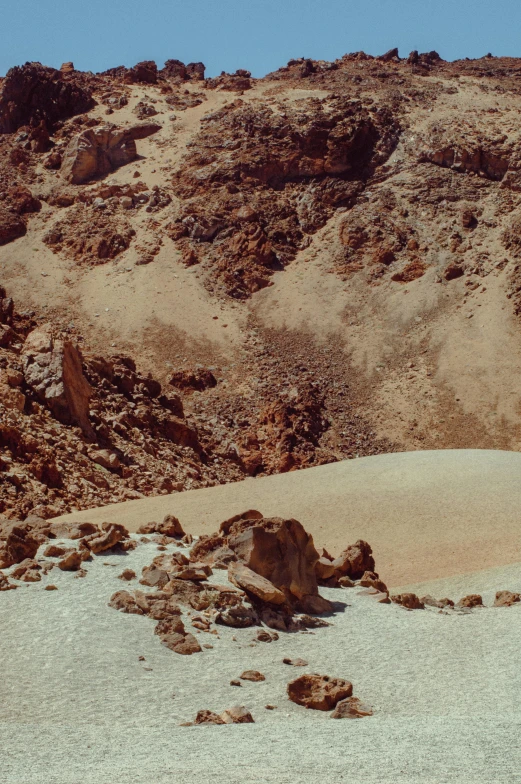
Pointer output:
x,y
52,368
319,692
17,542
96,152
33,93
279,550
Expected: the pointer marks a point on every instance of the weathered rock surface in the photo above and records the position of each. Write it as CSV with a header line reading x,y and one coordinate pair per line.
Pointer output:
x,y
251,582
319,692
96,152
33,93
17,542
408,600
169,527
278,550
53,369
252,675
506,598
351,708
472,600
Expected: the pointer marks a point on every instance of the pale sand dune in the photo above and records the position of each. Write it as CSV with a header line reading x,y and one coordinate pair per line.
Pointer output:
x,y
427,515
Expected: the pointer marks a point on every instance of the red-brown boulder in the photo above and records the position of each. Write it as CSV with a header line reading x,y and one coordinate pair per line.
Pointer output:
x,y
111,535
17,542
355,560
169,527
319,692
506,599
408,600
472,600
254,584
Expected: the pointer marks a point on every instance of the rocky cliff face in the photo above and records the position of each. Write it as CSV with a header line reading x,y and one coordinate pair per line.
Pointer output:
x,y
259,275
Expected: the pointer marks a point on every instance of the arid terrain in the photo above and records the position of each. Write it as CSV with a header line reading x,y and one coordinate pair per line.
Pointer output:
x,y
316,265
260,422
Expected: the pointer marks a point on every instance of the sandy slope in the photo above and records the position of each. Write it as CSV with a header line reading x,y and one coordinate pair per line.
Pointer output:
x,y
427,515
76,704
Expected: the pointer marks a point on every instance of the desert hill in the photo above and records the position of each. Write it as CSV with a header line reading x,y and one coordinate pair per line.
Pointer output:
x,y
427,515
317,265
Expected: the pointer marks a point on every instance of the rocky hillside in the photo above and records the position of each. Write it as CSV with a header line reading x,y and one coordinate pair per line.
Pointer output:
x,y
205,279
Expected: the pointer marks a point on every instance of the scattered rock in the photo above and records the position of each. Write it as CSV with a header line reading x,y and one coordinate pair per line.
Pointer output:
x,y
351,708
53,369
127,574
319,692
169,527
408,600
506,599
295,662
252,675
472,600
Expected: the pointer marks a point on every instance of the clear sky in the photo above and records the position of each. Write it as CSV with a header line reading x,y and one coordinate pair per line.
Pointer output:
x,y
260,35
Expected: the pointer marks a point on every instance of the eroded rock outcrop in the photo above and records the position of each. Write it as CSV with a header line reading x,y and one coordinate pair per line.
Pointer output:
x,y
96,152
279,550
33,93
52,368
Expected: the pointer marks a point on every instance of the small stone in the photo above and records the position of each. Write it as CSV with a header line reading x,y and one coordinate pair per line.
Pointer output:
x,y
295,662
235,683
252,675
472,600
50,588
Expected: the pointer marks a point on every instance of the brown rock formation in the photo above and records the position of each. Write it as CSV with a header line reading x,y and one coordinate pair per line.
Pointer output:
x,y
96,152
278,550
53,369
319,692
33,93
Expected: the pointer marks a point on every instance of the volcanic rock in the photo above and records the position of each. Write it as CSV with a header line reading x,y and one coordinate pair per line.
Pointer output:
x,y
408,600
319,692
351,708
17,543
71,562
96,152
354,561
33,93
280,551
237,715
53,369
253,583
12,225
169,527
111,535
506,599
472,600
252,675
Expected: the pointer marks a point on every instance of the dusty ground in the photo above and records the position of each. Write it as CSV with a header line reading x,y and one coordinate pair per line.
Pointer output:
x,y
427,515
77,704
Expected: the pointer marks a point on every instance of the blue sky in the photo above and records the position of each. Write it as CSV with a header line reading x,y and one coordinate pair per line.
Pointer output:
x,y
260,35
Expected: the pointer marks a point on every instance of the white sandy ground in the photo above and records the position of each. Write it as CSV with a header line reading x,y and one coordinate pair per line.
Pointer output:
x,y
426,514
77,707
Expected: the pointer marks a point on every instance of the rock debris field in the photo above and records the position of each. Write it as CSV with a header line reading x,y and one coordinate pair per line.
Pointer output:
x,y
90,694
